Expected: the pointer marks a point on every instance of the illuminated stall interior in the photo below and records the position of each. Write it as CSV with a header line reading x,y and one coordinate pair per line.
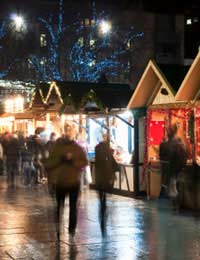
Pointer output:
x,y
189,92
160,119
14,97
6,124
164,111
155,94
121,133
84,109
197,133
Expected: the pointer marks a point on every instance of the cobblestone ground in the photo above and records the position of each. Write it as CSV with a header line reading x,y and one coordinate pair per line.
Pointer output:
x,y
136,229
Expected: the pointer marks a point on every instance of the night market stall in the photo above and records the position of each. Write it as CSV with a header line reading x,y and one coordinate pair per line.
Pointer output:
x,y
189,92
155,94
87,110
14,97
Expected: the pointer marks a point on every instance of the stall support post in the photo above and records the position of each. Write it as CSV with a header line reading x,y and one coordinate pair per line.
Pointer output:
x,y
108,125
130,139
136,157
88,128
137,114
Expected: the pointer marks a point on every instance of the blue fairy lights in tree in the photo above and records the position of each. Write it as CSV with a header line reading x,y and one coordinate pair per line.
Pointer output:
x,y
100,48
3,31
92,49
48,66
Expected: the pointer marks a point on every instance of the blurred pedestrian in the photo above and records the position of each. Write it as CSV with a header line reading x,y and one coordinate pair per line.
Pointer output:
x,y
173,156
28,169
50,144
105,166
64,167
37,148
86,177
1,159
12,159
5,141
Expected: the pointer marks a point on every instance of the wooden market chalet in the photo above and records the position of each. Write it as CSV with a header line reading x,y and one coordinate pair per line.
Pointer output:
x,y
163,97
50,102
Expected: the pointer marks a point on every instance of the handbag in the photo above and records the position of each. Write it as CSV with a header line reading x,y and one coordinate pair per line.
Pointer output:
x,y
115,165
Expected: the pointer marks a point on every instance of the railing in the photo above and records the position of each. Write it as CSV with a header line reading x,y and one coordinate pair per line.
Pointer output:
x,y
124,179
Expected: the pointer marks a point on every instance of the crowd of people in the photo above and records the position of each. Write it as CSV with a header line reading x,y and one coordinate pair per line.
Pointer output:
x,y
22,156
62,163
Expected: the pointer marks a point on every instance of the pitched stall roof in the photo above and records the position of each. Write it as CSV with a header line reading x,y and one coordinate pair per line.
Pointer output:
x,y
174,73
149,86
190,87
37,100
112,96
53,97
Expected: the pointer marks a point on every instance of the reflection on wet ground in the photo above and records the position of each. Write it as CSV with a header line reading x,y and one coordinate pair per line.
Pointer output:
x,y
136,229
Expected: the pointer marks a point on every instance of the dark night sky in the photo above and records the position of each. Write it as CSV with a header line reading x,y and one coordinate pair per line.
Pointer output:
x,y
31,7
159,5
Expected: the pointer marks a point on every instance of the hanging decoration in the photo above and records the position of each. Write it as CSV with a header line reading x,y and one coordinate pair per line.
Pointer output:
x,y
68,106
91,103
157,132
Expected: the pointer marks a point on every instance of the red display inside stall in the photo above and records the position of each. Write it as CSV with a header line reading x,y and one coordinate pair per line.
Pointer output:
x,y
197,132
156,132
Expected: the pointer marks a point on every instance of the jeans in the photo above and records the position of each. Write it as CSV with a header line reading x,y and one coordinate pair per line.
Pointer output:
x,y
29,173
102,211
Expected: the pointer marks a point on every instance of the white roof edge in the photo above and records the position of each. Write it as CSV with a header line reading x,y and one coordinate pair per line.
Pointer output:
x,y
187,76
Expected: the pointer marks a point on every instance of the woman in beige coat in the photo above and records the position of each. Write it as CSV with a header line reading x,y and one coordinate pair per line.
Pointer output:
x,y
64,167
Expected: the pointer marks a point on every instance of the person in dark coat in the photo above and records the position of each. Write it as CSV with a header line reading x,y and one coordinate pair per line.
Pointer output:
x,y
173,156
12,159
52,141
28,170
105,166
37,148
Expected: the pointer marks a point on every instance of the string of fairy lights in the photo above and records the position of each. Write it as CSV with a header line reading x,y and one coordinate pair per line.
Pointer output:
x,y
96,47
14,95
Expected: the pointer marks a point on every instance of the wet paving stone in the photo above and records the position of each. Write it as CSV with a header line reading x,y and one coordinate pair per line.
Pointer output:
x,y
136,229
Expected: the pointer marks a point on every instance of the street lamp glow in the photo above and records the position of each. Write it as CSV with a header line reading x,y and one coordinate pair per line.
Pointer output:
x,y
18,22
105,27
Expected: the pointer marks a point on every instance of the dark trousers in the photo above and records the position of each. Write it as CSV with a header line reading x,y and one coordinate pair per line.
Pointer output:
x,y
11,171
61,193
102,213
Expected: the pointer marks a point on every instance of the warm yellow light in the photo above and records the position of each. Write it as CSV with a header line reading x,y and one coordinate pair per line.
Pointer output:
x,y
9,106
105,27
6,120
18,104
14,105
